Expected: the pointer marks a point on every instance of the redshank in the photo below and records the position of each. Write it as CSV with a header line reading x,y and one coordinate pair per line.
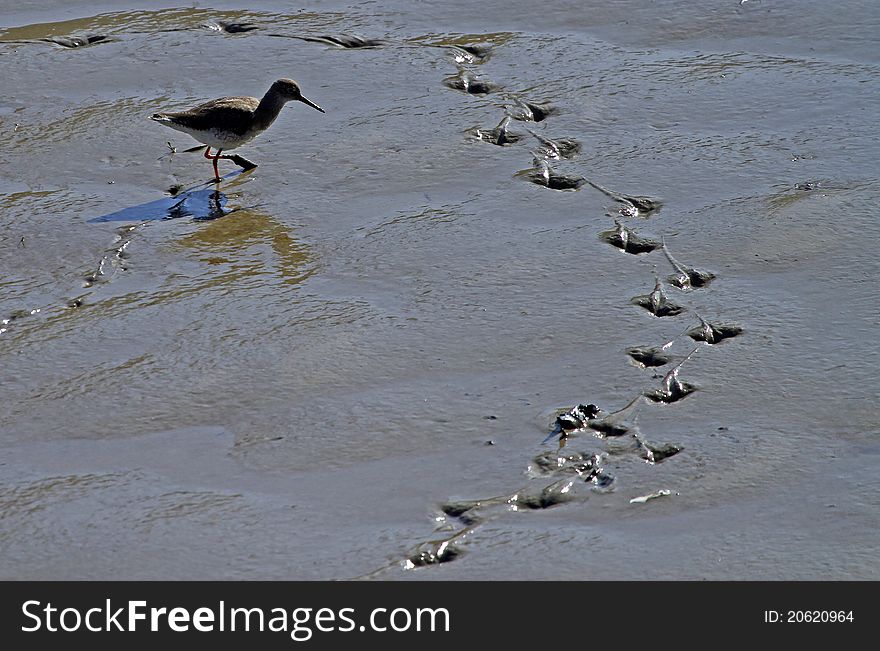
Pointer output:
x,y
230,122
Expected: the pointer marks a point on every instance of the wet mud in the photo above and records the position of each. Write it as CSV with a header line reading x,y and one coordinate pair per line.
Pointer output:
x,y
428,289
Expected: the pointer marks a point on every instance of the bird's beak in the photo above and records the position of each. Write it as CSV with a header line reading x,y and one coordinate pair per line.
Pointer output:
x,y
310,103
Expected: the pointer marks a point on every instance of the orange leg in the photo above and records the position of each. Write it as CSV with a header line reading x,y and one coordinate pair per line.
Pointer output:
x,y
216,171
215,158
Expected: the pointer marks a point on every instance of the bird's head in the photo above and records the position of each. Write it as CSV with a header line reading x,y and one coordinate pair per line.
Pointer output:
x,y
289,90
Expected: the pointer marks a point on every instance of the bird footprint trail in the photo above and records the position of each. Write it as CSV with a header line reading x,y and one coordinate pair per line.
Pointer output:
x,y
572,472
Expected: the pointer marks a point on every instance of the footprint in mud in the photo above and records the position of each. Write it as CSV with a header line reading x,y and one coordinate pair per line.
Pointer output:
x,y
530,111
583,417
467,512
533,499
713,333
628,241
433,553
76,41
556,149
533,496
672,389
587,466
686,277
656,453
500,135
631,206
605,427
582,464
648,356
542,174
467,82
476,54
346,41
231,28
574,419
657,303
616,423
426,554
574,466
471,513
114,260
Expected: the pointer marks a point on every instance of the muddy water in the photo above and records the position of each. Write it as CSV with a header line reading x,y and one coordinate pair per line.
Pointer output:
x,y
306,372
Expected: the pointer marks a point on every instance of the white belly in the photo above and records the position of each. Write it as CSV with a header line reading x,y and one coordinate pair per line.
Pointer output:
x,y
217,139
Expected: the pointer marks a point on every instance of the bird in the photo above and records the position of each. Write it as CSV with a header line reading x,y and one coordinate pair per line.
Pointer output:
x,y
229,122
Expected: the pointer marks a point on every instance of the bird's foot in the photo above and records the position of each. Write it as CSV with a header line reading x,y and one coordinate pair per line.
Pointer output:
x,y
242,162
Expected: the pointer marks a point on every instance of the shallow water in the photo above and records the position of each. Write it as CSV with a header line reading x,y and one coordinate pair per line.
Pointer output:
x,y
288,378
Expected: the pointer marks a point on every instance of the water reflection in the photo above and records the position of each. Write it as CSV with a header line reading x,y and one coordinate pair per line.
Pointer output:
x,y
249,250
198,202
250,229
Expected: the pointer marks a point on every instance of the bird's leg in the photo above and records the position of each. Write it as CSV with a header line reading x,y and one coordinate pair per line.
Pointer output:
x,y
214,158
216,171
238,160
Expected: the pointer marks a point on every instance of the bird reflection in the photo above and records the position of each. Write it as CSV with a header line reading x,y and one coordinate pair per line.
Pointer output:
x,y
202,205
198,202
224,240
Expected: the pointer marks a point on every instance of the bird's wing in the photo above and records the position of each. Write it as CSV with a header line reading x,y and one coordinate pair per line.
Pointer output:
x,y
229,111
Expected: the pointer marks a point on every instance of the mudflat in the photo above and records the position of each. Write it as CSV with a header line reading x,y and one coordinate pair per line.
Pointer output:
x,y
365,357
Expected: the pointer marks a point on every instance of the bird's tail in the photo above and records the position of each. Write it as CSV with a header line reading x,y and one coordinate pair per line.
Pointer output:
x,y
159,117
